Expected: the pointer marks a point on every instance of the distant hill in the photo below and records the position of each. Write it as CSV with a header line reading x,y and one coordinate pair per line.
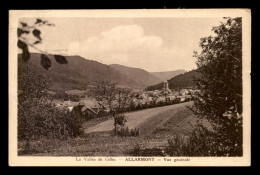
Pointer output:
x,y
180,81
168,74
141,76
78,73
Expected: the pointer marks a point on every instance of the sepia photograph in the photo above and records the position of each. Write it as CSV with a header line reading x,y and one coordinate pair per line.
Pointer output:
x,y
130,87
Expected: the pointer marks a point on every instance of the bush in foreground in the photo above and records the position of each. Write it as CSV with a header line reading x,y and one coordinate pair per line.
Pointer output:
x,y
220,97
203,142
38,118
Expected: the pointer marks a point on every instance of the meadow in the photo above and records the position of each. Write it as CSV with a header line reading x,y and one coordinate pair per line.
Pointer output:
x,y
155,131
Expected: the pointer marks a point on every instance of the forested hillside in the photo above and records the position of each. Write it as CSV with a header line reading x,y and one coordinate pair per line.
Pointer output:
x,y
179,81
141,76
168,74
78,73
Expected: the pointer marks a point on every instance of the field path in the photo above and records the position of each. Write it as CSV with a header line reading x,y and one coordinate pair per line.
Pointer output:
x,y
136,118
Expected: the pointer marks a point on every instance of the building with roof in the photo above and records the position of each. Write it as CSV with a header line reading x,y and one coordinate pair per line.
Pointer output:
x,y
90,107
184,92
69,104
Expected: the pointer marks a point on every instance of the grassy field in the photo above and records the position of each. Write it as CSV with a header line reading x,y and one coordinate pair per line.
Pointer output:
x,y
137,118
155,131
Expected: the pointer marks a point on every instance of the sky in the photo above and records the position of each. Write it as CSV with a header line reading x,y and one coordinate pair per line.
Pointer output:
x,y
153,44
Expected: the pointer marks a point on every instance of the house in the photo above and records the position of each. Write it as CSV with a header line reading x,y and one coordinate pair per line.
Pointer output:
x,y
167,98
187,96
91,107
184,92
69,104
182,99
142,95
150,99
172,97
134,102
143,102
156,92
174,93
160,99
194,92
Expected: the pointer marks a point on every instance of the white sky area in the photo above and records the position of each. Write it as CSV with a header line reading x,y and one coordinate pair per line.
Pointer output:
x,y
153,44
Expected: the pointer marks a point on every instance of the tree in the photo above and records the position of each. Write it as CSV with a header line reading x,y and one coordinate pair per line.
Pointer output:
x,y
31,86
220,84
38,117
115,98
32,83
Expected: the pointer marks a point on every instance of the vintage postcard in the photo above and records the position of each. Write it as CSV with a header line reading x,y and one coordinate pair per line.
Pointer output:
x,y
167,87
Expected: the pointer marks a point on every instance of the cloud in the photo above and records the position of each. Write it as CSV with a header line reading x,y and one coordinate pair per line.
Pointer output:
x,y
128,45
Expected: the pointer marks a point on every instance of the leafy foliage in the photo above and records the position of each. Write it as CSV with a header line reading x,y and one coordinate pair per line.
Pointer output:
x,y
60,59
120,120
45,62
114,97
117,100
37,117
202,142
77,120
23,42
32,83
37,34
220,64
21,45
24,47
41,119
220,84
121,129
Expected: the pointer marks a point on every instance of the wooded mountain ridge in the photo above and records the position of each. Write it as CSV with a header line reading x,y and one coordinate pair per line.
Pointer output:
x,y
168,74
180,81
80,73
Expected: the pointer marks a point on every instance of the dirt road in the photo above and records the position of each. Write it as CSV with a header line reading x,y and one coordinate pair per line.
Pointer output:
x,y
134,119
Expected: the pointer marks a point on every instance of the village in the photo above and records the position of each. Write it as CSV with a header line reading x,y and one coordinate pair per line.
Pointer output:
x,y
139,99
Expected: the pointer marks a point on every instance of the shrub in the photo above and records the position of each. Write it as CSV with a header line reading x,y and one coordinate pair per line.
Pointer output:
x,y
134,132
121,129
126,132
120,120
202,142
40,119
